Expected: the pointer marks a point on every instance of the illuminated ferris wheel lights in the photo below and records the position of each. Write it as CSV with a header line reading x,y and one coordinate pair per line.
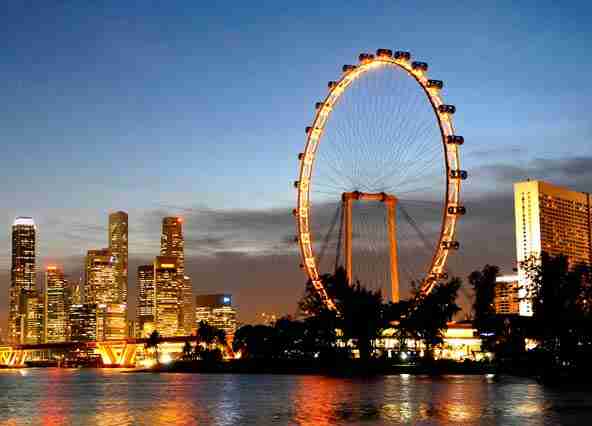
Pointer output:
x,y
451,142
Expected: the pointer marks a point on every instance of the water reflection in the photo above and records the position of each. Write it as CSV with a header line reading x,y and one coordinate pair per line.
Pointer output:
x,y
112,397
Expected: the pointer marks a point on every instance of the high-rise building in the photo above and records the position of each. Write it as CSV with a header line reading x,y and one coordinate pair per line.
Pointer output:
x,y
146,300
550,219
172,244
101,285
506,299
216,310
187,308
111,321
56,314
83,322
171,241
167,293
22,274
118,244
34,317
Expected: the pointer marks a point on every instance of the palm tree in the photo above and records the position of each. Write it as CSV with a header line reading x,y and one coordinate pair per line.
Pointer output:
x,y
153,342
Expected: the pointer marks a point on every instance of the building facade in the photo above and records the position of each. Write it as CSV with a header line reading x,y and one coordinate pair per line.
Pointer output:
x,y
146,300
83,322
118,245
172,244
506,299
217,311
101,285
56,313
22,275
167,293
111,321
34,317
550,219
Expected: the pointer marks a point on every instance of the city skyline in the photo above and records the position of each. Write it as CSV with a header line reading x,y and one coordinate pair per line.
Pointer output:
x,y
235,213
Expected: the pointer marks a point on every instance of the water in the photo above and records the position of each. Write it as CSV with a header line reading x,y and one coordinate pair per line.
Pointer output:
x,y
113,397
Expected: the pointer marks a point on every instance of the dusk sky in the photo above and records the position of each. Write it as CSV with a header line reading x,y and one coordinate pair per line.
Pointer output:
x,y
199,109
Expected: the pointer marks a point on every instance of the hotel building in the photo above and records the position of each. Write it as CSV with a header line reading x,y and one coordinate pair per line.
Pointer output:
x,y
550,219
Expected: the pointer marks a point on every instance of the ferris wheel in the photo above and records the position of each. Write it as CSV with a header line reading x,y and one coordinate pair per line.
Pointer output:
x,y
380,177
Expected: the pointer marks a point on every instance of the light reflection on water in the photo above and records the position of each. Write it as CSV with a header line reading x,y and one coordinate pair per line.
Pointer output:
x,y
114,397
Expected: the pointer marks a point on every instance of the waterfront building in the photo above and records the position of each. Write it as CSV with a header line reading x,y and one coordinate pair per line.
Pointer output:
x,y
216,310
33,305
22,274
55,306
550,219
167,293
83,322
506,299
187,307
118,245
111,321
146,301
172,244
101,285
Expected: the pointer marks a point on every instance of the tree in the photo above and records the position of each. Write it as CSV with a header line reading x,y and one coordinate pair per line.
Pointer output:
x,y
486,321
430,314
187,350
153,342
360,310
560,296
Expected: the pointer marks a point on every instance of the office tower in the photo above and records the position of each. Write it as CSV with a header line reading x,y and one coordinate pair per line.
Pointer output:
x,y
146,301
100,278
118,245
22,274
167,293
216,310
111,321
33,306
506,299
56,315
172,244
550,219
187,309
83,322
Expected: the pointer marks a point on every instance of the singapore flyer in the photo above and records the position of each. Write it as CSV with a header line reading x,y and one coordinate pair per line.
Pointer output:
x,y
378,191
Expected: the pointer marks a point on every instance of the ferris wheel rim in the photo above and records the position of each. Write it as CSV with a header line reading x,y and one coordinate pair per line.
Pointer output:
x,y
451,153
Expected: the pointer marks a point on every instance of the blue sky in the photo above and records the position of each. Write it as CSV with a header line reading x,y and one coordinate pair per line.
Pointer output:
x,y
156,107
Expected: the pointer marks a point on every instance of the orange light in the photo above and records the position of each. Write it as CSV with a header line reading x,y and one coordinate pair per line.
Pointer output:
x,y
180,220
52,268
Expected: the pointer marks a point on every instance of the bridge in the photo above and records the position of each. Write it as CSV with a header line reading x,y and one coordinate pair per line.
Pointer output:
x,y
115,353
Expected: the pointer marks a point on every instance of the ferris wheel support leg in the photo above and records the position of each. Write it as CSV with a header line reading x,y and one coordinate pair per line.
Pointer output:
x,y
347,215
392,233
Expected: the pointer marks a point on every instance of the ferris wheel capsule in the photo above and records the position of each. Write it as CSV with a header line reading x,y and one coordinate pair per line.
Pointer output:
x,y
384,53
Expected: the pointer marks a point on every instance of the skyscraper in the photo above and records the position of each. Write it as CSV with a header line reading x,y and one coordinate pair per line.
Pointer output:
x,y
550,219
146,300
172,244
34,317
118,244
167,293
56,314
101,285
22,274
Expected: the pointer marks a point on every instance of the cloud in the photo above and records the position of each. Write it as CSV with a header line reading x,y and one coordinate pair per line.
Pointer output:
x,y
573,172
